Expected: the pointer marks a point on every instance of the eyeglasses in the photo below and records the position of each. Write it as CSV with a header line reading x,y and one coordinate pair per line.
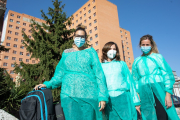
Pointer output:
x,y
82,36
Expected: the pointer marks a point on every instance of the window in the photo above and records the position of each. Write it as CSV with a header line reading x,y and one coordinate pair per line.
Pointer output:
x,y
89,17
30,25
84,8
120,31
20,59
18,16
23,29
22,35
7,51
95,21
10,32
125,33
94,7
15,45
89,11
96,43
91,39
93,1
97,50
85,15
29,36
121,36
27,60
126,38
30,31
128,53
5,64
24,24
16,33
95,28
80,12
21,53
76,15
76,21
94,14
20,66
17,27
80,18
6,57
90,31
11,20
84,21
91,45
22,47
11,72
7,44
73,24
15,39
27,54
14,52
22,41
96,35
128,48
18,22
129,58
124,58
12,14
69,27
9,38
89,5
33,61
89,24
126,43
12,79
13,58
10,26
12,65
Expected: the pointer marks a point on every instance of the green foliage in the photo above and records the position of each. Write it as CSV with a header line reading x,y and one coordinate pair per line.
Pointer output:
x,y
49,41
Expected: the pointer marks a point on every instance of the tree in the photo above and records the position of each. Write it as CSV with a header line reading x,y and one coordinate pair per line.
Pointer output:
x,y
49,41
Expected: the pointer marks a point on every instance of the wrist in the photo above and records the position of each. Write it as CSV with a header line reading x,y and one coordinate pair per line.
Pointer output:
x,y
168,94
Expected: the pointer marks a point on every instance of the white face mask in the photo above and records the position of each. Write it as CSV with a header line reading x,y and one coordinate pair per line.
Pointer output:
x,y
111,54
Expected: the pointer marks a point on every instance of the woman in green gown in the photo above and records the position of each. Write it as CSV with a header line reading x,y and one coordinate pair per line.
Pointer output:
x,y
80,75
154,82
123,97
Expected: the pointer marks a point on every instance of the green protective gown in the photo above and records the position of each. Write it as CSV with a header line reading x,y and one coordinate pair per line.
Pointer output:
x,y
121,88
152,74
83,85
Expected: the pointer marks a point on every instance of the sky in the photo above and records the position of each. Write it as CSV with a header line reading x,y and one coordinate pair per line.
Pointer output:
x,y
159,18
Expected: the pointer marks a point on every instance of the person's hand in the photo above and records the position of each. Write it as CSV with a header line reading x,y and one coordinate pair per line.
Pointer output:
x,y
40,86
138,109
168,101
102,104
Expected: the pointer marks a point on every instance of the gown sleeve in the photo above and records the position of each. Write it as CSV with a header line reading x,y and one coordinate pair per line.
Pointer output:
x,y
135,76
56,80
100,77
167,74
130,80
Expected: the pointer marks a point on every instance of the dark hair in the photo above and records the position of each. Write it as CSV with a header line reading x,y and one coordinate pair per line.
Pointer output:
x,y
81,27
154,48
106,48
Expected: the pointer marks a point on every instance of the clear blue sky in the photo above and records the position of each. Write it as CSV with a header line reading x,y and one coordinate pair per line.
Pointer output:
x,y
159,18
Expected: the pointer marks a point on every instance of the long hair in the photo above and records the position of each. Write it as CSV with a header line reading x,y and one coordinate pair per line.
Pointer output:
x,y
106,48
154,48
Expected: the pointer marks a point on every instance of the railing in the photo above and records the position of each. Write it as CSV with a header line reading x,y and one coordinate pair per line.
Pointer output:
x,y
176,95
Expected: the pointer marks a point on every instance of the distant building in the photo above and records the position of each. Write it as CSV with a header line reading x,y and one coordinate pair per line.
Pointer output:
x,y
2,11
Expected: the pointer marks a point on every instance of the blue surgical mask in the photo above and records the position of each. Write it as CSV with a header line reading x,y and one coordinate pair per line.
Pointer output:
x,y
79,41
145,49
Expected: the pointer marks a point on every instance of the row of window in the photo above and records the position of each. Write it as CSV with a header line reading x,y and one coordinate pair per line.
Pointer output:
x,y
89,18
13,15
96,43
18,22
15,52
15,39
11,26
96,35
125,37
17,33
95,21
121,32
14,45
20,59
85,9
90,31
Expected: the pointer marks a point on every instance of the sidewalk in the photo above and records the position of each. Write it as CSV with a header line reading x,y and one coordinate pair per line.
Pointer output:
x,y
6,116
